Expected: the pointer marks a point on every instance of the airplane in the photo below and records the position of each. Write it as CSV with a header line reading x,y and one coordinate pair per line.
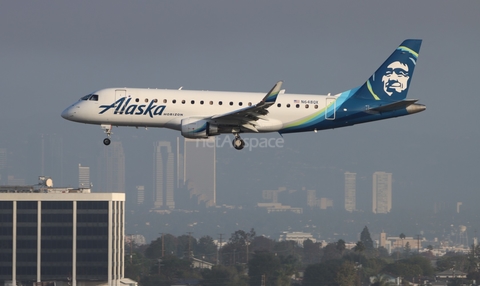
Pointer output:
x,y
201,114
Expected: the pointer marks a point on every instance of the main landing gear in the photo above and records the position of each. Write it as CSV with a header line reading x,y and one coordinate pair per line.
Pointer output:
x,y
237,142
108,129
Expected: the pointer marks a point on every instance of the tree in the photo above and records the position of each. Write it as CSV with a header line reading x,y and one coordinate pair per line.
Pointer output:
x,y
264,266
407,250
380,280
262,243
235,251
154,250
206,249
223,275
341,246
186,243
346,274
311,251
411,267
331,252
402,237
324,273
359,247
366,239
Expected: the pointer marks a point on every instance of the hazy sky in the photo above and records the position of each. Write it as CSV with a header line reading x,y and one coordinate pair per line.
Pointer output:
x,y
54,52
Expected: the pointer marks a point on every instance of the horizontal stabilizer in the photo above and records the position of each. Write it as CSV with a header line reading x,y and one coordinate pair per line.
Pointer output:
x,y
394,106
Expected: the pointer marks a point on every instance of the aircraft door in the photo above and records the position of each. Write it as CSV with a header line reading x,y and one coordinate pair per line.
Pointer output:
x,y
330,108
119,93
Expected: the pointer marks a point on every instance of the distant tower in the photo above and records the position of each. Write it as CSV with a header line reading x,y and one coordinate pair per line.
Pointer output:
x,y
462,238
140,195
3,166
382,192
312,198
164,175
200,169
350,191
83,177
180,168
112,169
325,203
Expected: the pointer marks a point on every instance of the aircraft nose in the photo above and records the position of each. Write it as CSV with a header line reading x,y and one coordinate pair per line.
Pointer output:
x,y
67,113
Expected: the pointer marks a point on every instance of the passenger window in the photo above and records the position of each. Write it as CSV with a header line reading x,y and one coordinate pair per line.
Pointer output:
x,y
164,101
306,105
297,106
137,100
201,102
316,106
192,102
249,104
183,101
146,99
231,102
288,105
219,103
279,105
211,102
240,103
174,101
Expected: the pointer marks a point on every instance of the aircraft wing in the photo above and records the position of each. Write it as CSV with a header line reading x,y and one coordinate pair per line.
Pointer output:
x,y
394,106
248,115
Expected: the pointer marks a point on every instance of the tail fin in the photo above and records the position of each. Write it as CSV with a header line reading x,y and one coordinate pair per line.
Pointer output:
x,y
392,79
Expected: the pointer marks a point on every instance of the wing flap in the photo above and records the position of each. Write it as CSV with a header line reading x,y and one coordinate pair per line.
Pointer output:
x,y
254,112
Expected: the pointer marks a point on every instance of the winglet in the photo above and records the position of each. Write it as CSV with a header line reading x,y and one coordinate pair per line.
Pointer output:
x,y
271,96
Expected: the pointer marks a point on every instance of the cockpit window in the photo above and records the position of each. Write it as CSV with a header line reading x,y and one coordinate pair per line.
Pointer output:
x,y
90,96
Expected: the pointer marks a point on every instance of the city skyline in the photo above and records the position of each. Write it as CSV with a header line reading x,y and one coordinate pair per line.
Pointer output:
x,y
52,56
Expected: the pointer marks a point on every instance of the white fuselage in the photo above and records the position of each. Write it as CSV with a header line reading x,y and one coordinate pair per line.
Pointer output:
x,y
166,108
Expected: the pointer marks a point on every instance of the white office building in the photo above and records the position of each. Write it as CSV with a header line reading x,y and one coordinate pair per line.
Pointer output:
x,y
61,235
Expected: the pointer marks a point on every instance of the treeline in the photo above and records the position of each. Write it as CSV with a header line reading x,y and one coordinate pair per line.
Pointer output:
x,y
247,259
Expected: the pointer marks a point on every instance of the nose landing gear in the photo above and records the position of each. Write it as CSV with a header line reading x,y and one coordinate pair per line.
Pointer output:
x,y
108,130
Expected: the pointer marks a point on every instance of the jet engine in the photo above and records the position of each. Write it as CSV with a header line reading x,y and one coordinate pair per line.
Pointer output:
x,y
198,128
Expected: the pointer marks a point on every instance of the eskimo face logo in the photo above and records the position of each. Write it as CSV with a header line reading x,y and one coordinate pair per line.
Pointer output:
x,y
395,79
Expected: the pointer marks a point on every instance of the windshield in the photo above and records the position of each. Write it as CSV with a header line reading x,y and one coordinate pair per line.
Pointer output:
x,y
93,97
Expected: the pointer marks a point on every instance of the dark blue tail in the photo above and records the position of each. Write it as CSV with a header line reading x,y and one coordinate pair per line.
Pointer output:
x,y
392,79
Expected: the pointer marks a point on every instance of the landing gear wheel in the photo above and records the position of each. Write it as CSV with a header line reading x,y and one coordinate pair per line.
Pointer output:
x,y
238,143
106,141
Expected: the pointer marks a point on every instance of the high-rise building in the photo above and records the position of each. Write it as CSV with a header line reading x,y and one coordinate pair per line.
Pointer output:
x,y
200,169
180,168
3,166
164,175
111,172
350,191
312,198
83,176
140,195
61,235
325,203
382,192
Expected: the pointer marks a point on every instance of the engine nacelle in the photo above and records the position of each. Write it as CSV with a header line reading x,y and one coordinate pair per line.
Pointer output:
x,y
198,128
